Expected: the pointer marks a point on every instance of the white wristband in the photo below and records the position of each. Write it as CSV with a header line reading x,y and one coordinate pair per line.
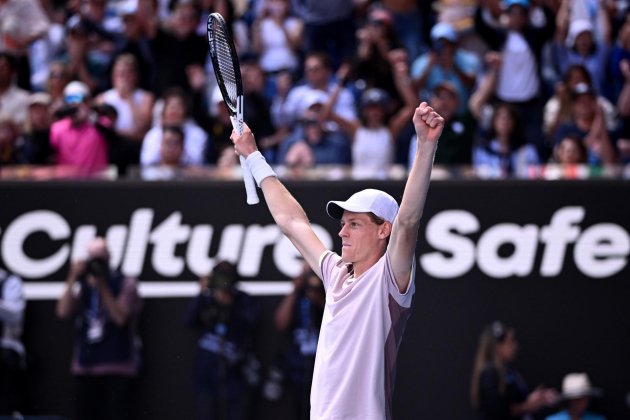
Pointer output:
x,y
259,167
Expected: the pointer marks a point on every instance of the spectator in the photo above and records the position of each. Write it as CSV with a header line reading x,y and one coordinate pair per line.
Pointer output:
x,y
300,315
58,78
225,366
13,360
557,109
623,104
373,139
503,152
277,38
575,43
175,111
570,150
34,143
587,122
134,105
371,66
620,52
13,100
177,48
577,392
446,61
497,389
9,134
318,77
457,136
410,22
329,27
519,75
76,140
311,143
21,23
106,307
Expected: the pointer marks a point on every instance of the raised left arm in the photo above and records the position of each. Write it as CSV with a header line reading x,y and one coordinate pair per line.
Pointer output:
x,y
402,245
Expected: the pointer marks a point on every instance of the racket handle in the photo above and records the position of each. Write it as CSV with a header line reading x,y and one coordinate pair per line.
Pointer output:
x,y
250,184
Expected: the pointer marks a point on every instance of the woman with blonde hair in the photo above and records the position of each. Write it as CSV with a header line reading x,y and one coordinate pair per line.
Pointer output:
x,y
497,390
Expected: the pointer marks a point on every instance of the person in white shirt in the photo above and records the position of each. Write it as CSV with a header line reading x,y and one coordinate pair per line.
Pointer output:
x,y
369,287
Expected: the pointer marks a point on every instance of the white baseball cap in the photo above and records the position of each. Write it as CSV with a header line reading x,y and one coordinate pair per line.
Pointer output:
x,y
374,201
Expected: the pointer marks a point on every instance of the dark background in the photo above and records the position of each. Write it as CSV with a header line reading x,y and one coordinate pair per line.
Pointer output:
x,y
564,324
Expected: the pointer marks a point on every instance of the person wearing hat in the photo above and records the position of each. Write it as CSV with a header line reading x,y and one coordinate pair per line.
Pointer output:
x,y
34,142
577,41
369,287
446,61
226,320
76,140
577,392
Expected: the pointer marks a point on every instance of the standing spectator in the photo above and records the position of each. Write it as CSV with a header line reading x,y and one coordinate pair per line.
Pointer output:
x,y
577,392
12,352
329,27
446,61
318,77
300,314
177,48
175,111
277,37
76,140
21,23
411,18
519,79
133,105
575,42
459,128
497,390
34,143
226,319
502,151
13,100
106,358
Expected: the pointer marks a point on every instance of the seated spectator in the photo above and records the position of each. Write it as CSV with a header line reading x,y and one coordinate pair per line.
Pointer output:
x,y
446,61
623,105
75,139
9,134
587,122
175,111
577,392
558,108
171,165
311,143
459,128
13,100
34,143
503,152
570,150
13,360
620,52
58,78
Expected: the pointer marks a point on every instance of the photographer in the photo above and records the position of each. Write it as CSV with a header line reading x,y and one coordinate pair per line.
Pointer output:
x,y
225,368
105,306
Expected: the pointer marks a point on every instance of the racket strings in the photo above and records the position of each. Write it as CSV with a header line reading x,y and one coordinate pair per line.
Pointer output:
x,y
225,63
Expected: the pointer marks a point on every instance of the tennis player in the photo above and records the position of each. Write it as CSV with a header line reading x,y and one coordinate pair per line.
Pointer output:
x,y
369,288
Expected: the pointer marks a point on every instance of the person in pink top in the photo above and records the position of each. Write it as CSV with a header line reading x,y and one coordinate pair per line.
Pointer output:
x,y
369,287
76,139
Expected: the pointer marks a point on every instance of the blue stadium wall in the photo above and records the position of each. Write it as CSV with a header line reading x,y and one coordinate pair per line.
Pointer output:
x,y
550,258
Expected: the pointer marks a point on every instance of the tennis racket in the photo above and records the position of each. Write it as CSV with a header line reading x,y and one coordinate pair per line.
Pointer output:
x,y
228,74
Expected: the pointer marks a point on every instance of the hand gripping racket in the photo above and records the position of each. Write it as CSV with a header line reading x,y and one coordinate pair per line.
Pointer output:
x,y
228,74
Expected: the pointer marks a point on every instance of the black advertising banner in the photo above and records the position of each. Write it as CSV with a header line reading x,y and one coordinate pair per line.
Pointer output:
x,y
549,258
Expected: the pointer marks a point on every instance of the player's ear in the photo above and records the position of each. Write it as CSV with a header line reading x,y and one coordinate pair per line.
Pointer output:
x,y
384,230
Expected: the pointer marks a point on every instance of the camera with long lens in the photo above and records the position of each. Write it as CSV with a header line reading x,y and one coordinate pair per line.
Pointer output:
x,y
97,267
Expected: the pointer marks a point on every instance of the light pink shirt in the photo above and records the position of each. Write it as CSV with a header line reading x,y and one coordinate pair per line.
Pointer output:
x,y
362,327
82,146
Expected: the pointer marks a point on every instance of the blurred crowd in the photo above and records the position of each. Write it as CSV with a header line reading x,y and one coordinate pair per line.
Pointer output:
x,y
93,87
